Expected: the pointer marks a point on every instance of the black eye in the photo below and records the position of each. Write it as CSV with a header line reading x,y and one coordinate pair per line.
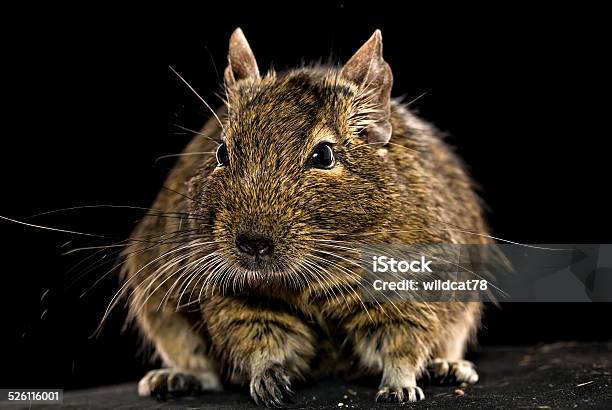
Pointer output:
x,y
322,156
222,156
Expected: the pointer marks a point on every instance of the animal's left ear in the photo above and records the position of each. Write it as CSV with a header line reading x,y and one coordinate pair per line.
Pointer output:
x,y
372,74
241,60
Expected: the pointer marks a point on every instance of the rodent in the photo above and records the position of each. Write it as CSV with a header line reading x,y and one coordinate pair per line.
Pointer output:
x,y
246,276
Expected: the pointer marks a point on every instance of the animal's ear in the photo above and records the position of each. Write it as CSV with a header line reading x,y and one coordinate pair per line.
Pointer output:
x,y
372,74
241,61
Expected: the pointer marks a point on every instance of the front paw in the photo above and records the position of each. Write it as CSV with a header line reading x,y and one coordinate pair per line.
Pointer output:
x,y
163,383
399,394
271,387
448,372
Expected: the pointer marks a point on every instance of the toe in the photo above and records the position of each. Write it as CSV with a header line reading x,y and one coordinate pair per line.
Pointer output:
x,y
415,393
164,382
465,371
445,372
399,395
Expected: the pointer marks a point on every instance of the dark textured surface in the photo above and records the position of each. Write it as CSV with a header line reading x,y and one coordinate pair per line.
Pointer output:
x,y
560,375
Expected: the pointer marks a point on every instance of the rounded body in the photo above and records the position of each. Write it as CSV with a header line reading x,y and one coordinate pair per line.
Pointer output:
x,y
239,329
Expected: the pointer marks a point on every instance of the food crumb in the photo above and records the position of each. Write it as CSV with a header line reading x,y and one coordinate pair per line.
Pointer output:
x,y
459,392
340,404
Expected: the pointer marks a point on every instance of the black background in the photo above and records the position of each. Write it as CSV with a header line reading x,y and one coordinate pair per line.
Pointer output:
x,y
89,103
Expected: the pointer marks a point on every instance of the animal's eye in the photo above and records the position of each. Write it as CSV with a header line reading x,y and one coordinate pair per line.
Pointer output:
x,y
322,156
222,155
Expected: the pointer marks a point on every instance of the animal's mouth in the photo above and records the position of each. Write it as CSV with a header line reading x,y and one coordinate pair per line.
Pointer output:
x,y
256,266
253,272
256,255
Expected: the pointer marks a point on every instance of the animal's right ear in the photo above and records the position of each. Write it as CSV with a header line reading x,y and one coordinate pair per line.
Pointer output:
x,y
241,61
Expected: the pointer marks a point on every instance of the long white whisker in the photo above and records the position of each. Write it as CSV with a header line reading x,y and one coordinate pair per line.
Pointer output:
x,y
200,97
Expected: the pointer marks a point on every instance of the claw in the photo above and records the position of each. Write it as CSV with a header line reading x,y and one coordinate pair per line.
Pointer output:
x,y
271,387
399,394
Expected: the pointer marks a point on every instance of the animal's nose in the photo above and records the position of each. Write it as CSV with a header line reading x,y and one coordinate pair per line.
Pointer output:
x,y
254,245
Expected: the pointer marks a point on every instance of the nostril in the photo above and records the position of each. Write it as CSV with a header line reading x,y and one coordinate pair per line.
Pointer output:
x,y
254,245
245,245
264,246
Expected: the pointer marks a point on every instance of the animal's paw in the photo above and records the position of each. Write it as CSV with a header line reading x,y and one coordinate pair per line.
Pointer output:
x,y
399,394
271,386
446,372
163,383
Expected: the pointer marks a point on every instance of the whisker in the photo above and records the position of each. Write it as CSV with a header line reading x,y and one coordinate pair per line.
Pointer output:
x,y
48,228
196,132
184,154
199,97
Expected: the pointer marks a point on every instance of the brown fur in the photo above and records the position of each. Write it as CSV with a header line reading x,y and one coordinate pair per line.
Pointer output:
x,y
209,312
